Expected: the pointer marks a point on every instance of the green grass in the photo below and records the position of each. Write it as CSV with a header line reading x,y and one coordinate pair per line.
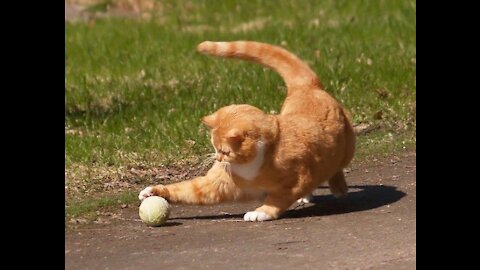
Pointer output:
x,y
78,208
87,208
135,90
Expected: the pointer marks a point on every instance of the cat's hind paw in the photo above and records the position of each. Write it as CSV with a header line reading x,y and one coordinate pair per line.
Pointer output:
x,y
256,216
306,199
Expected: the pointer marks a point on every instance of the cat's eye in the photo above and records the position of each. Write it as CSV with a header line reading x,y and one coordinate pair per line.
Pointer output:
x,y
224,152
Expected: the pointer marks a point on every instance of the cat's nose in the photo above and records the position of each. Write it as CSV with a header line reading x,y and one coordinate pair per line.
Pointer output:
x,y
219,156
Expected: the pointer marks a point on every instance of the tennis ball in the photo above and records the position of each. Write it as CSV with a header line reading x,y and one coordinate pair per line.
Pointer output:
x,y
154,211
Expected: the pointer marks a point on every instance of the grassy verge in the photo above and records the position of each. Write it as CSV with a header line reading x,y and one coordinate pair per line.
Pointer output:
x,y
135,89
85,206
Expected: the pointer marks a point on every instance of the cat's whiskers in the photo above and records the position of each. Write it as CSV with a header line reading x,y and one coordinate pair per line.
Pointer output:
x,y
227,167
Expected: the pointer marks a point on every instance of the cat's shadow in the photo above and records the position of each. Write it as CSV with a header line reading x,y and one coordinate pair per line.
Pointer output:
x,y
359,198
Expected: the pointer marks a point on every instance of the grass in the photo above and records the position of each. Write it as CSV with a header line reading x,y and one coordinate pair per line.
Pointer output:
x,y
135,89
78,208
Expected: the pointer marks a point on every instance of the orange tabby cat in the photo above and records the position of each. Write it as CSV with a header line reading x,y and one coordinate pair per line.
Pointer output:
x,y
278,158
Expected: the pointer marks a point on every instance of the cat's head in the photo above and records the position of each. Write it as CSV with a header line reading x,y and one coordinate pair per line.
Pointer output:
x,y
235,133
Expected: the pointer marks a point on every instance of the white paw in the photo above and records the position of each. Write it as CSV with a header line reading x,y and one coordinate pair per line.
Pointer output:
x,y
256,216
147,192
306,199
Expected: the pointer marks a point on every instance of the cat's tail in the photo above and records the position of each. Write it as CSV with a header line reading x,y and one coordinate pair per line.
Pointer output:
x,y
296,74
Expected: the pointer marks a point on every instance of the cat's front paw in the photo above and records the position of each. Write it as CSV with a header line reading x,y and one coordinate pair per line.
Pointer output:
x,y
147,192
158,190
256,216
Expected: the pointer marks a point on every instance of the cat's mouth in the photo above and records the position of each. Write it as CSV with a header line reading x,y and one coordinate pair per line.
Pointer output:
x,y
225,163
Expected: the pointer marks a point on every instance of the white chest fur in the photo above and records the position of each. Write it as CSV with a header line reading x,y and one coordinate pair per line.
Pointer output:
x,y
250,170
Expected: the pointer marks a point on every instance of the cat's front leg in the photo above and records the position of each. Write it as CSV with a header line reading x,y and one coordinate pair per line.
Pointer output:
x,y
257,216
213,188
273,207
158,190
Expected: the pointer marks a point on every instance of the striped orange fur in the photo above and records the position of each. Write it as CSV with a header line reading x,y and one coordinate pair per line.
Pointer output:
x,y
296,74
276,158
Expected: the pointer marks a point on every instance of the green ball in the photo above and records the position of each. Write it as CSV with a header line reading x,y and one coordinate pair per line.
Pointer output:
x,y
154,211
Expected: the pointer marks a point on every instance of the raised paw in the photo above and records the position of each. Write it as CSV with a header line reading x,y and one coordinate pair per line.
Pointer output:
x,y
256,216
147,192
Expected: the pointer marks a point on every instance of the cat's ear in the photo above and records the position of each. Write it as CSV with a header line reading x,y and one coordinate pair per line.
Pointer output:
x,y
210,120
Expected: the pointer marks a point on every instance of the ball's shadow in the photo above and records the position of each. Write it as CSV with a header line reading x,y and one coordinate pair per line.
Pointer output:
x,y
171,224
359,198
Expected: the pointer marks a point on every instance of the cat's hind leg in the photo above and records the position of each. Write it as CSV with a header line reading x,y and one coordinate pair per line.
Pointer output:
x,y
306,199
338,185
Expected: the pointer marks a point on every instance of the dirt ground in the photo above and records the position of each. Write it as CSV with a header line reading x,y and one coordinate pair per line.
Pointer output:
x,y
374,227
